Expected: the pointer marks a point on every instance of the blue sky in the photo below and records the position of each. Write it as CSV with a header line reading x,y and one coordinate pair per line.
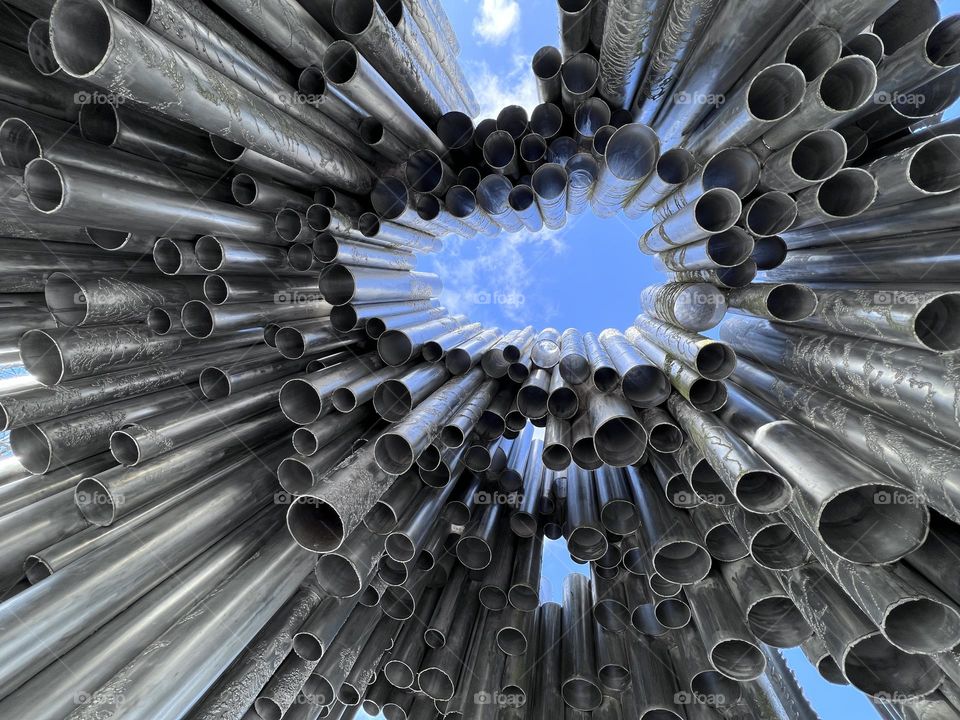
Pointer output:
x,y
588,275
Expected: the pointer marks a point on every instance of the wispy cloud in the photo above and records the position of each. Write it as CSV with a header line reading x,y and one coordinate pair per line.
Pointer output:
x,y
494,280
495,90
498,20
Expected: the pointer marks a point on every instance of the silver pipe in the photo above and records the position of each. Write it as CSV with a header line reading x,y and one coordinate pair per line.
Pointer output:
x,y
349,71
813,158
769,613
322,519
546,65
849,193
80,23
315,634
462,204
923,170
532,151
523,201
707,688
674,168
890,533
718,533
493,194
683,26
79,196
583,171
629,157
381,140
713,212
575,25
439,669
736,169
461,359
500,153
221,289
630,30
254,193
783,302
63,440
55,356
343,284
345,318
725,249
769,214
550,187
844,88
579,685
642,384
925,57
176,257
690,306
436,349
578,80
305,400
770,96
113,493
177,538
853,640
431,211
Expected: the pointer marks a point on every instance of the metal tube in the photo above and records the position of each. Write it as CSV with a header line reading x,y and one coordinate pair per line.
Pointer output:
x,y
462,204
769,214
783,302
675,549
717,210
726,249
628,159
493,194
550,187
82,24
845,87
579,687
674,168
690,306
769,97
522,200
813,158
350,72
177,538
849,193
546,65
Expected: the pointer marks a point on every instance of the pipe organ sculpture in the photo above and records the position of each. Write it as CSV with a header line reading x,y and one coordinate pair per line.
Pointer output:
x,y
254,468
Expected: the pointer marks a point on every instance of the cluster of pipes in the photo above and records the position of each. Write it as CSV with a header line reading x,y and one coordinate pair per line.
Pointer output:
x,y
253,467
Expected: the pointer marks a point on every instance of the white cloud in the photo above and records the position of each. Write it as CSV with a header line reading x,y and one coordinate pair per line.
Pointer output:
x,y
495,90
499,284
498,20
